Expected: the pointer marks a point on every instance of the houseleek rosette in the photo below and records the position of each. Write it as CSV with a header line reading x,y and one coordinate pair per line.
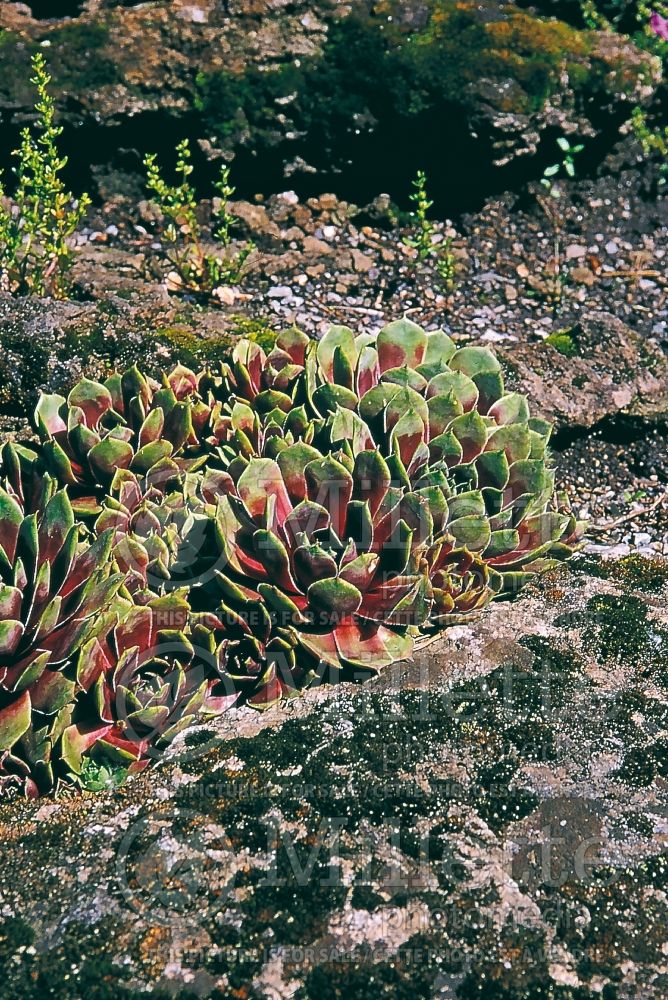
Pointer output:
x,y
56,590
146,681
156,430
335,555
443,421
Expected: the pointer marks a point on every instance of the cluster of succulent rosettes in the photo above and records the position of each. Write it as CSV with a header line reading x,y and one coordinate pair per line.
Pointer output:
x,y
334,557
291,518
146,680
162,541
56,590
441,418
156,430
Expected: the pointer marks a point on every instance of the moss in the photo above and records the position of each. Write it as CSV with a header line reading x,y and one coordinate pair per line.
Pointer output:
x,y
380,65
22,366
187,346
535,52
564,342
643,573
80,964
183,343
618,627
604,895
80,57
365,898
15,54
257,330
363,977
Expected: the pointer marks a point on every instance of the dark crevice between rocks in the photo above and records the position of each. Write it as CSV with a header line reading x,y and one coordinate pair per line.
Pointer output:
x,y
618,428
53,10
460,170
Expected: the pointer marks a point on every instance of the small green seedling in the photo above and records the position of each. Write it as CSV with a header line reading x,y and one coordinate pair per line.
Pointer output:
x,y
197,271
565,164
423,228
654,141
100,777
422,239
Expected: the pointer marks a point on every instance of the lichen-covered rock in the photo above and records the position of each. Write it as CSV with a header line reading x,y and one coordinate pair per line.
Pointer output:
x,y
484,822
319,77
49,344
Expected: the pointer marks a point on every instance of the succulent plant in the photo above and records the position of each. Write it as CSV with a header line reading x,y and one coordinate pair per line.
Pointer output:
x,y
292,517
442,418
127,422
162,541
145,683
461,584
335,553
265,381
256,393
22,475
55,591
257,657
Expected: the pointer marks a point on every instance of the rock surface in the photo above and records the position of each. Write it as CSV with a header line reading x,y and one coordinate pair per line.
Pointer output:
x,y
258,74
608,369
486,821
49,344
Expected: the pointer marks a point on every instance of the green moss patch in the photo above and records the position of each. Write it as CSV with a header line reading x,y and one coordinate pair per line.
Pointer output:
x,y
383,64
619,627
638,572
564,342
79,964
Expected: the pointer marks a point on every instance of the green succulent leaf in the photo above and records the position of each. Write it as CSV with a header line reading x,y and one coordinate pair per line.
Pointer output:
x,y
149,455
474,361
510,409
471,432
48,414
502,542
493,469
514,440
14,721
109,455
339,338
401,344
328,398
471,531
91,397
335,598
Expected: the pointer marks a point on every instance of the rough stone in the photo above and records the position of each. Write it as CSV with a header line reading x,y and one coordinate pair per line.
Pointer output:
x,y
607,369
255,218
49,344
317,248
118,61
491,812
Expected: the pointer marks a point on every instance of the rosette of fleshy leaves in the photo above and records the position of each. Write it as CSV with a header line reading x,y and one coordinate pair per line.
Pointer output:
x,y
257,652
147,681
56,590
449,430
163,541
156,430
257,395
444,423
329,551
266,381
